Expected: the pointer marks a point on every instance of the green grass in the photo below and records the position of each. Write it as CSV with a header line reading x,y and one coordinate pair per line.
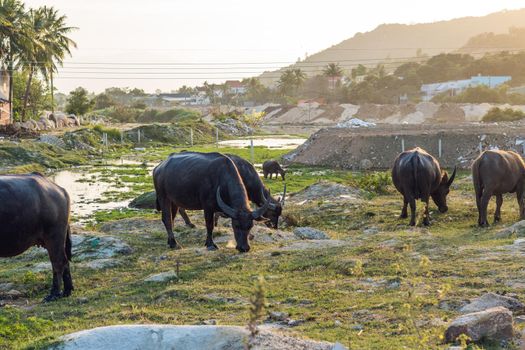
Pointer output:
x,y
384,287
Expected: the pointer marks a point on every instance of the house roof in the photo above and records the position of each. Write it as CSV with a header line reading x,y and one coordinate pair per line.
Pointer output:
x,y
234,84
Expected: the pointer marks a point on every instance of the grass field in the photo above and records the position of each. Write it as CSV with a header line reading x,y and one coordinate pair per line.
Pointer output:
x,y
385,287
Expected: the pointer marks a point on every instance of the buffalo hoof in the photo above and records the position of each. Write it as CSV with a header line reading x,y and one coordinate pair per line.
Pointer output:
x,y
497,219
190,225
484,224
426,223
66,293
403,216
174,245
212,247
412,223
52,297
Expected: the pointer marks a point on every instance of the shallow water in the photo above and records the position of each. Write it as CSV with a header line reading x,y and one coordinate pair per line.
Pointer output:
x,y
275,143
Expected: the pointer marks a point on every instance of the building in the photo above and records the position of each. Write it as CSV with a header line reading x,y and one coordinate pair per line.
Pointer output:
x,y
5,116
235,87
457,86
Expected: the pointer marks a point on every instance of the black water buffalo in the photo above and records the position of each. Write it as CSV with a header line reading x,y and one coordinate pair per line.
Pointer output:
x,y
271,167
35,211
255,190
417,175
495,173
209,182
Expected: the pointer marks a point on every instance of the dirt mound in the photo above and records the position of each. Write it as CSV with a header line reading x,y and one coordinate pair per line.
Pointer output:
x,y
375,112
449,112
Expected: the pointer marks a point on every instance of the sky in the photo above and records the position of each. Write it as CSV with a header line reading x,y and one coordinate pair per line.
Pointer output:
x,y
164,44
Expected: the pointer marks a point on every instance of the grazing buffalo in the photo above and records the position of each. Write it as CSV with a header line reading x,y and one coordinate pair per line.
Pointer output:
x,y
271,167
417,175
495,173
35,211
209,182
255,190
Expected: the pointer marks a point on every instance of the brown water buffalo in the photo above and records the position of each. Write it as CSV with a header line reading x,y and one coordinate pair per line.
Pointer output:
x,y
271,167
417,175
35,211
209,182
495,173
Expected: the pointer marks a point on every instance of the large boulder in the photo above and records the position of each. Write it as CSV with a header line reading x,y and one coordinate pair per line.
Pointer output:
x,y
517,229
310,233
166,337
490,324
146,200
490,300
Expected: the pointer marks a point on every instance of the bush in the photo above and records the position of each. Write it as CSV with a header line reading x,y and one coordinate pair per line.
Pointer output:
x,y
503,115
376,182
176,115
123,114
113,134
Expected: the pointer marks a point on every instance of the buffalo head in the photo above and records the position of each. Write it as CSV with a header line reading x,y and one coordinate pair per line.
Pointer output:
x,y
440,195
242,221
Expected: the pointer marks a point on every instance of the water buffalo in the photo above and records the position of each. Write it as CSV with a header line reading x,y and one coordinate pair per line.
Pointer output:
x,y
496,173
35,211
255,190
417,175
271,167
209,182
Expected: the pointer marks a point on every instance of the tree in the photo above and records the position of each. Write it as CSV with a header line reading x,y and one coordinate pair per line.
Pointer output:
x,y
290,81
78,102
39,97
103,100
12,38
333,70
255,91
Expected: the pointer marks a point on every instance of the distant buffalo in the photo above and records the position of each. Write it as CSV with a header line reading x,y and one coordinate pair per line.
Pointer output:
x,y
35,211
271,167
209,182
495,173
417,175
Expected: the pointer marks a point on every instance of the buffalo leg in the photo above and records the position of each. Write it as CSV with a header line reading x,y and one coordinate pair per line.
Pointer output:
x,y
68,281
478,204
499,202
426,215
521,203
57,255
404,211
185,217
485,199
412,212
216,219
167,219
209,218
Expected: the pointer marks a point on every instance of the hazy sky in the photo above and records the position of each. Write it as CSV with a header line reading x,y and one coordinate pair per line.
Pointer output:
x,y
222,38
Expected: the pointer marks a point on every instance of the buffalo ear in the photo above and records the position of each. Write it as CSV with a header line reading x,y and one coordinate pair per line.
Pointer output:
x,y
451,180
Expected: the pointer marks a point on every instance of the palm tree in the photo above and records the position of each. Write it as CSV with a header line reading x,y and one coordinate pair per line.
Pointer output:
x,y
291,80
333,70
12,38
300,77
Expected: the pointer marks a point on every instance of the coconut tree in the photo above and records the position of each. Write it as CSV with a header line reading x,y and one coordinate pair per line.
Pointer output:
x,y
13,38
333,70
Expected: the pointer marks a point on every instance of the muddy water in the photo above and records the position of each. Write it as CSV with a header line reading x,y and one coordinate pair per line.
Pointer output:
x,y
275,143
86,192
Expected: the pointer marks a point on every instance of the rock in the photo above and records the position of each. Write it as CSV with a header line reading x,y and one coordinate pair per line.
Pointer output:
x,y
91,246
278,316
371,231
162,277
294,323
517,229
211,322
519,319
164,337
5,287
310,233
315,244
338,346
13,294
366,164
490,324
326,191
338,323
490,300
52,140
146,200
40,267
134,225
99,264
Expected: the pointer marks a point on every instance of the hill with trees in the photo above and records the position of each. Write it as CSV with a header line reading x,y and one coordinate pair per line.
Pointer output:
x,y
394,44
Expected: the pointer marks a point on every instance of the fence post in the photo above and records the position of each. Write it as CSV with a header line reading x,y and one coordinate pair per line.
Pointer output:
x,y
138,136
121,136
217,136
191,137
440,152
480,148
402,145
252,153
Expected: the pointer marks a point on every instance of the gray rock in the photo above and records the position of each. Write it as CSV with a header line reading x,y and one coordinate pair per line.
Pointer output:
x,y
310,233
338,346
162,277
146,200
326,191
278,316
52,140
490,300
517,229
98,247
40,267
371,231
163,337
99,264
5,287
491,324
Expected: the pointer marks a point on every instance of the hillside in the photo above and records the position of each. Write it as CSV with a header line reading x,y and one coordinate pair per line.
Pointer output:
x,y
514,39
392,43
